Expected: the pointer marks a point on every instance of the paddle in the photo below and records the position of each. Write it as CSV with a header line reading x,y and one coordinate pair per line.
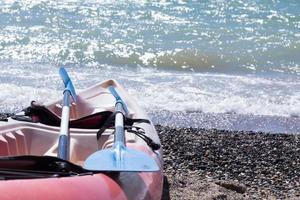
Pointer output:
x,y
63,143
119,158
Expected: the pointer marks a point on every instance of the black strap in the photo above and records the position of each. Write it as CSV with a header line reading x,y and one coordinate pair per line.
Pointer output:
x,y
4,117
22,118
109,123
140,132
127,121
40,113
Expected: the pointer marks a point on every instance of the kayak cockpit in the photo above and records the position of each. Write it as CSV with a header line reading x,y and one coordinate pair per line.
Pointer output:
x,y
40,140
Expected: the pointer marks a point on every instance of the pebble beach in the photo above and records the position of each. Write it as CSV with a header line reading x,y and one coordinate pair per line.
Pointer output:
x,y
216,164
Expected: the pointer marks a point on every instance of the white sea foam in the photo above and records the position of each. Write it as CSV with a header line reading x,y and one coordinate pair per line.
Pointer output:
x,y
160,90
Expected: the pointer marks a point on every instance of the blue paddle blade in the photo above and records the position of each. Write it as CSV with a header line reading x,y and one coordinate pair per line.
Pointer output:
x,y
121,159
68,83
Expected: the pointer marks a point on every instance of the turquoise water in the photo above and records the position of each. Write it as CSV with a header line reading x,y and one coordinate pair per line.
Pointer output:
x,y
218,57
214,36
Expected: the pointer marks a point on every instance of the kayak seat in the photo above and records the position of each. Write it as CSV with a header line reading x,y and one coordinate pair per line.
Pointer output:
x,y
40,113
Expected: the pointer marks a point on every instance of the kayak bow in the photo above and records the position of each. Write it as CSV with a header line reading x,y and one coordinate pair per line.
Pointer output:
x,y
94,107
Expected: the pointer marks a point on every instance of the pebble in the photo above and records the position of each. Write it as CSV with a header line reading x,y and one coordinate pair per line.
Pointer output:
x,y
264,165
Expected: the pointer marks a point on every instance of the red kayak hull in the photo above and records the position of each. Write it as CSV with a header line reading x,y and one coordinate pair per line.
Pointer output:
x,y
127,185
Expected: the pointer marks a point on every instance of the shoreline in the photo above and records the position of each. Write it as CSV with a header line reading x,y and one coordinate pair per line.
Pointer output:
x,y
227,121
218,164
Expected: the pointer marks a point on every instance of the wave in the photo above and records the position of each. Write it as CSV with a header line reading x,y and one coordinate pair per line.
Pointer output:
x,y
160,90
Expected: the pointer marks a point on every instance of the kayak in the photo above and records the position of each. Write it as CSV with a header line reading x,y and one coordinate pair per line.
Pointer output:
x,y
29,145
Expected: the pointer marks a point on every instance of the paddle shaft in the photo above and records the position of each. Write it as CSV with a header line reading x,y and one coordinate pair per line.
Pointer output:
x,y
63,142
119,124
120,109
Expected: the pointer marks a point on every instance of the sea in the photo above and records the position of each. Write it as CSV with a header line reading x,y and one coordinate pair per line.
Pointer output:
x,y
217,64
